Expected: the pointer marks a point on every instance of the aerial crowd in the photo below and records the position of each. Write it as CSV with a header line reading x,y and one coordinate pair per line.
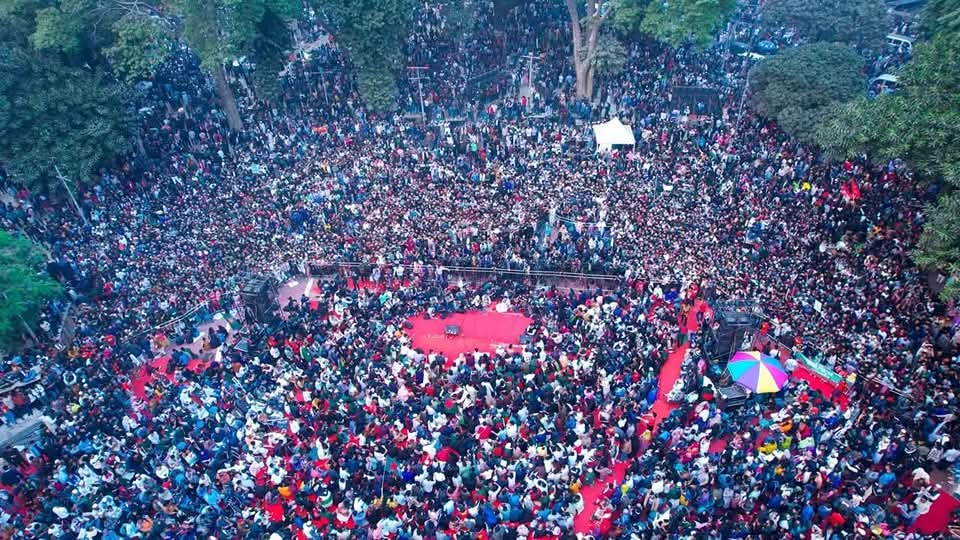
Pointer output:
x,y
332,424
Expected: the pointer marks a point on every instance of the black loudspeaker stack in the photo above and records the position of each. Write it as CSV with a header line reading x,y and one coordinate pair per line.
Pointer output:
x,y
259,296
734,325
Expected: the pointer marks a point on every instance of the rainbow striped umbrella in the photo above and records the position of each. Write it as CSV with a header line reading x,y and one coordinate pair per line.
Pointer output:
x,y
758,372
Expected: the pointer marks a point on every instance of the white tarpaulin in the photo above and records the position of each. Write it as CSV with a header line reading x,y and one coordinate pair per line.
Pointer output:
x,y
612,133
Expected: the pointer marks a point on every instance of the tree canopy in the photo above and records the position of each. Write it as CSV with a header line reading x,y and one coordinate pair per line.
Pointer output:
x,y
861,22
799,86
53,115
24,286
373,33
939,247
941,16
59,106
220,31
141,45
686,21
919,123
677,22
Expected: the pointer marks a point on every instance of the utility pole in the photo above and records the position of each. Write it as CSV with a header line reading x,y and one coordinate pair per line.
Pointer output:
x,y
731,33
530,59
746,85
323,83
64,180
419,77
453,88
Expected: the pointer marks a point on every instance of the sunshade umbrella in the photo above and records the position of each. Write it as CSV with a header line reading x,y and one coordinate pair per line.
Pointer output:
x,y
767,47
758,372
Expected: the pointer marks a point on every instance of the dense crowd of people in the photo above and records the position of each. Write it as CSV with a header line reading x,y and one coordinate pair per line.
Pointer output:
x,y
332,424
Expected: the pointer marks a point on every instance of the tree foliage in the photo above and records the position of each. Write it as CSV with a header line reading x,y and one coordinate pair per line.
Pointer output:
x,y
941,16
141,45
378,87
129,38
220,31
17,21
939,246
268,52
24,287
678,22
587,20
61,27
920,123
629,15
372,32
52,115
610,55
80,30
799,86
861,22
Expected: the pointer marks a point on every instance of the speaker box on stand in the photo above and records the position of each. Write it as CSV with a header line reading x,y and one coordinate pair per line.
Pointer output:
x,y
259,296
734,327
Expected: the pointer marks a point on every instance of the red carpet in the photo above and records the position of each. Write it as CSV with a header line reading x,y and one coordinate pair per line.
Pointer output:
x,y
371,286
583,523
717,446
938,518
139,382
480,330
670,371
669,374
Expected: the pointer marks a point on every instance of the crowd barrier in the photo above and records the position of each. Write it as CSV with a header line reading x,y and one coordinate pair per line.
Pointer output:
x,y
470,274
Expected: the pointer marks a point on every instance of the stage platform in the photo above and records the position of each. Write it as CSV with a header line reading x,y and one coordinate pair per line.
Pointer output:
x,y
478,330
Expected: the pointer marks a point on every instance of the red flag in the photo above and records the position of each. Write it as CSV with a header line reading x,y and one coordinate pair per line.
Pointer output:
x,y
854,190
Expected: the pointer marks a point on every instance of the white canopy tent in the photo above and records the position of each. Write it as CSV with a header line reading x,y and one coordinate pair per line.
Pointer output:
x,y
612,133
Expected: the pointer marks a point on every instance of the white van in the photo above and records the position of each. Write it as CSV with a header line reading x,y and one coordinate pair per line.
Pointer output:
x,y
899,42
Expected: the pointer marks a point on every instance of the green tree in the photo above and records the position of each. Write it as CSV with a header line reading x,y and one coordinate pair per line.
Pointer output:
x,y
59,107
141,45
941,16
372,32
24,287
629,15
61,27
919,123
220,31
83,30
587,23
17,20
677,22
131,38
862,22
268,52
52,115
609,57
939,246
928,109
378,87
799,86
